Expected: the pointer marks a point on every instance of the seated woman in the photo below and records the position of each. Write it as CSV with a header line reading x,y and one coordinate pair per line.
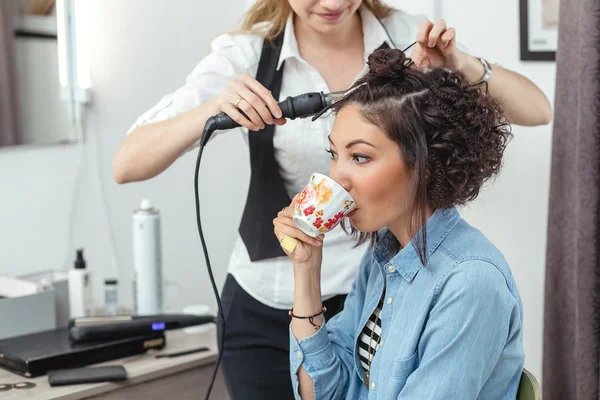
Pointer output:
x,y
434,312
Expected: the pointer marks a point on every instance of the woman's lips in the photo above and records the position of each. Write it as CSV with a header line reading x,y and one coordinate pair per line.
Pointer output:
x,y
330,16
351,213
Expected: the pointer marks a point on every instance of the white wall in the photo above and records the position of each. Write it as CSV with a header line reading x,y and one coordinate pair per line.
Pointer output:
x,y
142,49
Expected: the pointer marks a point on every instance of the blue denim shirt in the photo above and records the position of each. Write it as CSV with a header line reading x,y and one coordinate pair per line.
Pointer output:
x,y
452,329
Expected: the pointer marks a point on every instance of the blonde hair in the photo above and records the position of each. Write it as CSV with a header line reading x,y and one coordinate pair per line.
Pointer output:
x,y
276,13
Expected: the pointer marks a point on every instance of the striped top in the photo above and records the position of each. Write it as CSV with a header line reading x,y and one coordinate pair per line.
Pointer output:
x,y
366,345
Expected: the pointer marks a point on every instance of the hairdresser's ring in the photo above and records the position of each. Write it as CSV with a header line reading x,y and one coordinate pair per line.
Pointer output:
x,y
283,210
237,103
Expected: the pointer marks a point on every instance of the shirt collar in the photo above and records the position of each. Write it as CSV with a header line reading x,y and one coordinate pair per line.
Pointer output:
x,y
289,47
407,261
374,35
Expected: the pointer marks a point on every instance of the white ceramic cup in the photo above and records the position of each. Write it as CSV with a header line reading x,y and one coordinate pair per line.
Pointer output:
x,y
321,205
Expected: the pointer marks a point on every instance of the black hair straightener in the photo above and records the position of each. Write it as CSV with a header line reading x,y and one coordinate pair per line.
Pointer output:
x,y
91,329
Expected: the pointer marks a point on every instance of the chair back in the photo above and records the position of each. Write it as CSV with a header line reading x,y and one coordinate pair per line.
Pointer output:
x,y
529,388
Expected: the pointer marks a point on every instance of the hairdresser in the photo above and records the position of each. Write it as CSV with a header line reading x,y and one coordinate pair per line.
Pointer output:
x,y
286,48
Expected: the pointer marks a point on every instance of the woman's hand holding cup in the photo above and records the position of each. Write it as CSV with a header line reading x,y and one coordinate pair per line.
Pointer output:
x,y
300,247
320,207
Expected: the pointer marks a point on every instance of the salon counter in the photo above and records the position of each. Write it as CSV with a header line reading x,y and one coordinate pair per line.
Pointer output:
x,y
182,377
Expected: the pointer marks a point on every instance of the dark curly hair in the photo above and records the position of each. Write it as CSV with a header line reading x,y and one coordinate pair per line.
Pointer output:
x,y
451,134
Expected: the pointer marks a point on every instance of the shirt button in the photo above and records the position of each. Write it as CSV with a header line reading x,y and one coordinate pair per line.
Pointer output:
x,y
372,385
299,354
391,268
389,300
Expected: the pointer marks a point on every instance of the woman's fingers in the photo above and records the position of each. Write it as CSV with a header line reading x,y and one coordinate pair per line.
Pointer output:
x,y
258,106
425,27
245,106
264,94
285,228
250,104
436,31
235,114
447,38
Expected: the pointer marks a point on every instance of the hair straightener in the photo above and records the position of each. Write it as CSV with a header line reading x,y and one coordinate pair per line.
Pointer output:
x,y
89,329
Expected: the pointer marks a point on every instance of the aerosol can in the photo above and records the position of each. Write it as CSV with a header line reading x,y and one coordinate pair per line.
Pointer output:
x,y
147,260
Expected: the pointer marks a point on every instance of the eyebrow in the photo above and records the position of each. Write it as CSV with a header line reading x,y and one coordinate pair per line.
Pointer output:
x,y
352,143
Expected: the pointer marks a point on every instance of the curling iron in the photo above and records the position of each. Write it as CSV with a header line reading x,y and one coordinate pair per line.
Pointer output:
x,y
312,104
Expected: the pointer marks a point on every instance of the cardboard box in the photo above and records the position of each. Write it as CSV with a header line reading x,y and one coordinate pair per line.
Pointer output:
x,y
24,309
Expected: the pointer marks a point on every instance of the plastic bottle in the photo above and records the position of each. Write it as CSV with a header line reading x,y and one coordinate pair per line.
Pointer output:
x,y
80,288
111,297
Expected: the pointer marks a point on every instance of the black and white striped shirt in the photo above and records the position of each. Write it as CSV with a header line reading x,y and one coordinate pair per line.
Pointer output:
x,y
366,346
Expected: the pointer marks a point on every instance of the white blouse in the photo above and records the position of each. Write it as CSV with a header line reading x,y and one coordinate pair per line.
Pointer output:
x,y
299,144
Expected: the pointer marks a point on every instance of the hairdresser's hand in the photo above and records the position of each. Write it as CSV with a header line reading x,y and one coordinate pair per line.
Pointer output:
x,y
248,95
309,251
436,46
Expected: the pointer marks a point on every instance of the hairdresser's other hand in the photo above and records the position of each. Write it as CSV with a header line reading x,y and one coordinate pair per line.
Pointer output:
x,y
248,95
309,251
436,46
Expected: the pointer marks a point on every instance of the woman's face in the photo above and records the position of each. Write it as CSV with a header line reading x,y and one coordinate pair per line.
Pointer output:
x,y
370,167
326,16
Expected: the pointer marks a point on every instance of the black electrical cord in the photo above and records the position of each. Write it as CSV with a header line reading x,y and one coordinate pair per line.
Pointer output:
x,y
302,106
208,129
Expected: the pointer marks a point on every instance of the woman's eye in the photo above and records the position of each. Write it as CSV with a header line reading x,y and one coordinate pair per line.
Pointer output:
x,y
360,159
331,152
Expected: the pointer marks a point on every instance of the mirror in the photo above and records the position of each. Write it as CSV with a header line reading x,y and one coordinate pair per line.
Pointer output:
x,y
32,111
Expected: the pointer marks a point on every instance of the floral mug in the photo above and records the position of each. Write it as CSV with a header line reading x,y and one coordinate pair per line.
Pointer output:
x,y
321,205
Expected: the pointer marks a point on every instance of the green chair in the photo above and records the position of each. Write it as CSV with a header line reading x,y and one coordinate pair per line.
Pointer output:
x,y
529,388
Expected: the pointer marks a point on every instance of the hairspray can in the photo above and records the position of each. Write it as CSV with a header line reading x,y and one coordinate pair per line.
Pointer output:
x,y
147,260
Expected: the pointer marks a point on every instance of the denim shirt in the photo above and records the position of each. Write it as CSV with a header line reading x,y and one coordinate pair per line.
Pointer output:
x,y
452,329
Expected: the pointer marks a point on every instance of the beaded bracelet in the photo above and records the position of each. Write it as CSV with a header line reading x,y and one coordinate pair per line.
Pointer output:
x,y
310,318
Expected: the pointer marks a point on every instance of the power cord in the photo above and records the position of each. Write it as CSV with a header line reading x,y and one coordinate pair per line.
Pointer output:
x,y
208,129
301,106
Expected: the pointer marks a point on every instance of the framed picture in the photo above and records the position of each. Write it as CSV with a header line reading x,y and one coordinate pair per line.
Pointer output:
x,y
35,19
539,29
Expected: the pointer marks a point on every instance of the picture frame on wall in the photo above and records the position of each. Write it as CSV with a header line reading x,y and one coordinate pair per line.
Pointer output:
x,y
35,19
539,29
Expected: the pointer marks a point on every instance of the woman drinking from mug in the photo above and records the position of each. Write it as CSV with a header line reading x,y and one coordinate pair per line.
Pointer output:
x,y
309,46
434,312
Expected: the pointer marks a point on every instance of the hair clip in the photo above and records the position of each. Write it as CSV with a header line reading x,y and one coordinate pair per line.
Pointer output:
x,y
335,97
404,51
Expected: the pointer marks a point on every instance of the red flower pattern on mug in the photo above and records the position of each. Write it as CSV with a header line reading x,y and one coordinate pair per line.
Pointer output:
x,y
309,210
332,222
318,222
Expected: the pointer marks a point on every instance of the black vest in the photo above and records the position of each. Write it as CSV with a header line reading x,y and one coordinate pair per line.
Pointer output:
x,y
267,194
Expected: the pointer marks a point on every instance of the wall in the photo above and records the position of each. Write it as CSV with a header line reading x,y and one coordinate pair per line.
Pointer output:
x,y
143,49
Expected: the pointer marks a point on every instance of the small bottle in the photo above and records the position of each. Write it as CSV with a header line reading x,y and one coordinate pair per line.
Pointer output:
x,y
111,295
80,288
